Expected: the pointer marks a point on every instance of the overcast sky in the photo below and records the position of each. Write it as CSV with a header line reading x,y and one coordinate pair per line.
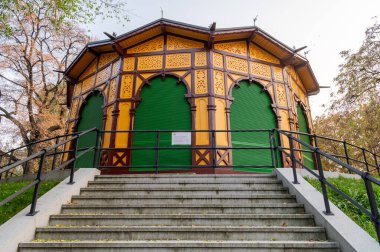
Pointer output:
x,y
326,27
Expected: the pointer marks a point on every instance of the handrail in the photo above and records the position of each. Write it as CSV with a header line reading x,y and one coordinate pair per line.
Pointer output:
x,y
368,179
42,155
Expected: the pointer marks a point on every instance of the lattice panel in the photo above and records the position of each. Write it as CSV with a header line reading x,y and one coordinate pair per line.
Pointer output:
x,y
236,64
281,95
222,156
112,91
202,157
201,81
153,45
217,60
178,60
238,47
219,82
78,88
88,83
115,68
277,71
106,58
103,75
129,64
177,43
126,86
149,62
258,53
89,70
200,59
261,70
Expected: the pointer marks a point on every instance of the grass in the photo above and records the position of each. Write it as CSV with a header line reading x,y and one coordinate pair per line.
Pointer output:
x,y
356,190
10,209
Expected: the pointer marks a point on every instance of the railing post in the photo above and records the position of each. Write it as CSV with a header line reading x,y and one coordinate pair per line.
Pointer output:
x,y
293,159
9,162
365,160
213,139
322,180
156,151
96,149
372,203
376,163
55,154
36,186
272,152
346,154
75,160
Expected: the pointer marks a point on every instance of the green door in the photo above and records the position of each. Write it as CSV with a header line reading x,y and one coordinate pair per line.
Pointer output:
x,y
251,110
307,157
163,107
91,116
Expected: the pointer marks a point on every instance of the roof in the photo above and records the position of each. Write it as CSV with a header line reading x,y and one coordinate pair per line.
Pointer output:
x,y
286,54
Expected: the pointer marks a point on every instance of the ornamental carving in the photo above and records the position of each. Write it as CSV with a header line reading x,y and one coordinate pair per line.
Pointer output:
x,y
177,43
277,71
236,64
200,59
258,53
102,75
149,62
115,67
261,70
281,95
153,45
201,81
178,60
129,64
112,91
126,86
238,47
88,83
219,82
218,60
89,70
106,58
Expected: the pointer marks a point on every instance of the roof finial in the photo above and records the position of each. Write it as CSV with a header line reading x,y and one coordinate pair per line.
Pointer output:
x,y
162,12
255,19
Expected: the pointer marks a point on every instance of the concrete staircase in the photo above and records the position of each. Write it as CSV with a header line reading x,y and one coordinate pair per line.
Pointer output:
x,y
182,213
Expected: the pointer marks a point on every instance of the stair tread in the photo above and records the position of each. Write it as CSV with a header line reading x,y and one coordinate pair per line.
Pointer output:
x,y
269,205
194,196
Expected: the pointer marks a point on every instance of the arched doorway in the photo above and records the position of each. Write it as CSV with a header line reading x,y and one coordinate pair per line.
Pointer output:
x,y
163,106
91,115
251,110
307,157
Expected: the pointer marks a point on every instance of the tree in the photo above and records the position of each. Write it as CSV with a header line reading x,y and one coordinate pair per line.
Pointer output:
x,y
36,38
354,114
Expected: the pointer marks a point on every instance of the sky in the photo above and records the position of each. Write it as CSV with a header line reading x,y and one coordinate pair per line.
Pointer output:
x,y
325,27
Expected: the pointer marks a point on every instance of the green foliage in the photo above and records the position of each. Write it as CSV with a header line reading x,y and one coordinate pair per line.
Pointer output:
x,y
356,190
10,209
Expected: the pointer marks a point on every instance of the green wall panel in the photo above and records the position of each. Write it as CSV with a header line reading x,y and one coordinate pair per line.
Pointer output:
x,y
91,116
163,107
307,157
251,109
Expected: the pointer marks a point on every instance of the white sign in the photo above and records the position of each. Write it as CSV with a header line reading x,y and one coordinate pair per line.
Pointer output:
x,y
181,138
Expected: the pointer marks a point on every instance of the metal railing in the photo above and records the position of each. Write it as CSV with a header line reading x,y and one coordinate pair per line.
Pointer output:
x,y
41,156
368,179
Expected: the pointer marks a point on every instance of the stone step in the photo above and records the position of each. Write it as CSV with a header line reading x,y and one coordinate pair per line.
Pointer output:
x,y
182,233
186,246
198,180
189,175
258,208
186,199
178,191
183,220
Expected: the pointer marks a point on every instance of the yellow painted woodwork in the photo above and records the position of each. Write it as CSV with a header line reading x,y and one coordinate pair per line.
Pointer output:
x,y
237,64
89,70
281,95
112,90
277,72
129,64
221,119
178,60
237,47
88,83
179,73
200,81
103,75
177,43
126,86
200,59
108,126
149,62
153,45
106,58
236,77
201,121
258,53
123,124
74,108
219,82
284,126
115,67
139,82
217,60
188,81
78,88
261,70
202,151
